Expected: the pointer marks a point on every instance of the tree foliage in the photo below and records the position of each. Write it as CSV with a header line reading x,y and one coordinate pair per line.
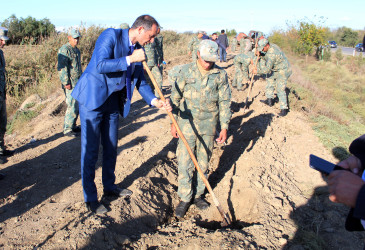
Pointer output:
x,y
27,30
310,37
349,37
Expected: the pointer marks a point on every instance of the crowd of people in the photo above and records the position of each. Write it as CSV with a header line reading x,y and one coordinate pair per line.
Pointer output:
x,y
200,102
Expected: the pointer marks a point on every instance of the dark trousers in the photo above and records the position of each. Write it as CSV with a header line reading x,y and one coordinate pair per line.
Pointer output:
x,y
99,126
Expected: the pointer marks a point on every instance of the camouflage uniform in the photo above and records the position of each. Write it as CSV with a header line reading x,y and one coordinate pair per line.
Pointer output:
x,y
198,102
193,47
3,116
245,45
159,51
233,44
151,59
69,71
277,68
242,63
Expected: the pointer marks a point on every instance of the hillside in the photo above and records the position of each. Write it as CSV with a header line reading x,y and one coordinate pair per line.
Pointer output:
x,y
261,177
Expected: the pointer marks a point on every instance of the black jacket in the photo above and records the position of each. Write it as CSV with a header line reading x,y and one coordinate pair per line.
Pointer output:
x,y
356,214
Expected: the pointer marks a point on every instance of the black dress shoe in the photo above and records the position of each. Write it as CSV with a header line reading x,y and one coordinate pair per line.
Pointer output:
x,y
70,134
268,101
96,207
76,130
283,112
119,192
181,209
201,203
6,152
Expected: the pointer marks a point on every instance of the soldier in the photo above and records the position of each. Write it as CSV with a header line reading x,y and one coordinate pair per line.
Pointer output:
x,y
242,64
233,44
154,55
3,116
69,71
200,96
277,68
194,44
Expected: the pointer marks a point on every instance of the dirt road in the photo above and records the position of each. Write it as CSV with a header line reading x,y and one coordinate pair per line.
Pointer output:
x,y
261,177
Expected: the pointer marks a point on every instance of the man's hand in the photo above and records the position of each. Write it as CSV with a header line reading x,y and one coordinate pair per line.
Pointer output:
x,y
344,187
137,56
161,104
174,131
353,163
254,70
68,86
222,136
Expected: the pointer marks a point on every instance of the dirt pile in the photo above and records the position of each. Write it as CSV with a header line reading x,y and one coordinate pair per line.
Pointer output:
x,y
261,177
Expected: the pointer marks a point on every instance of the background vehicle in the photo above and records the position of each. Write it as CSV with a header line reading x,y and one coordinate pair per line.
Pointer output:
x,y
332,44
359,47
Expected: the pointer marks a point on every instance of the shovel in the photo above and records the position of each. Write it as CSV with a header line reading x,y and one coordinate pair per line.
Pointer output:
x,y
226,220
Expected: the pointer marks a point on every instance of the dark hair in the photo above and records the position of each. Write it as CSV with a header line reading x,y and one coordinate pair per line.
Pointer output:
x,y
222,31
214,34
146,21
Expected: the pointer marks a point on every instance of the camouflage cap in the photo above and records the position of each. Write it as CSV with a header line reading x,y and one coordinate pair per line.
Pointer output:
x,y
200,32
124,26
208,50
74,33
4,34
262,43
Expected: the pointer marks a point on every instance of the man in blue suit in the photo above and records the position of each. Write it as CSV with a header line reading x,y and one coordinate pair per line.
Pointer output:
x,y
104,90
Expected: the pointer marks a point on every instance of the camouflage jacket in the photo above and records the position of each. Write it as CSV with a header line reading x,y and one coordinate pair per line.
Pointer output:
x,y
274,60
2,72
201,99
69,65
245,45
149,49
158,41
242,63
234,42
193,45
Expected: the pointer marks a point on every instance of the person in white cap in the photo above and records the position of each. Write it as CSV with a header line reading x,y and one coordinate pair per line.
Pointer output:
x,y
200,96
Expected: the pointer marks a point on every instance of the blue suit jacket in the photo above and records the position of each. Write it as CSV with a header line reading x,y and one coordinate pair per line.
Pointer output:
x,y
107,69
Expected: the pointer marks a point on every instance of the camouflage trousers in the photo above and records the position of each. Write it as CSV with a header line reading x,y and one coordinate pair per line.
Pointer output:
x,y
157,74
190,183
278,80
239,81
3,120
72,112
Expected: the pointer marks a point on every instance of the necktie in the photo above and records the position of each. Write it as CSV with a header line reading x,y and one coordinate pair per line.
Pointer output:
x,y
129,76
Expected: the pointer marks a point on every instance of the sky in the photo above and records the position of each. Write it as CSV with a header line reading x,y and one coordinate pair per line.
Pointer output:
x,y
192,15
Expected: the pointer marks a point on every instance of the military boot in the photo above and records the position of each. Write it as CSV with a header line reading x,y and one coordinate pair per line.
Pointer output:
x,y
268,101
283,112
181,209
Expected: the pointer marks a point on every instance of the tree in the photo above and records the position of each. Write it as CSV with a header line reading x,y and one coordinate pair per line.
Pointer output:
x,y
349,37
27,30
310,36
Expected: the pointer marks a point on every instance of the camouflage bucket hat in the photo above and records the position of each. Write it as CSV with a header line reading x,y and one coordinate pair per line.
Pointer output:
x,y
124,26
4,34
262,43
74,33
208,50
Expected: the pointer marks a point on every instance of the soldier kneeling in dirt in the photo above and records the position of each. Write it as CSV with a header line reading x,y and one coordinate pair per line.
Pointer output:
x,y
200,95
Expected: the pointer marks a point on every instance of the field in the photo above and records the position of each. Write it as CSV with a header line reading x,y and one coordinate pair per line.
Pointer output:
x,y
261,177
